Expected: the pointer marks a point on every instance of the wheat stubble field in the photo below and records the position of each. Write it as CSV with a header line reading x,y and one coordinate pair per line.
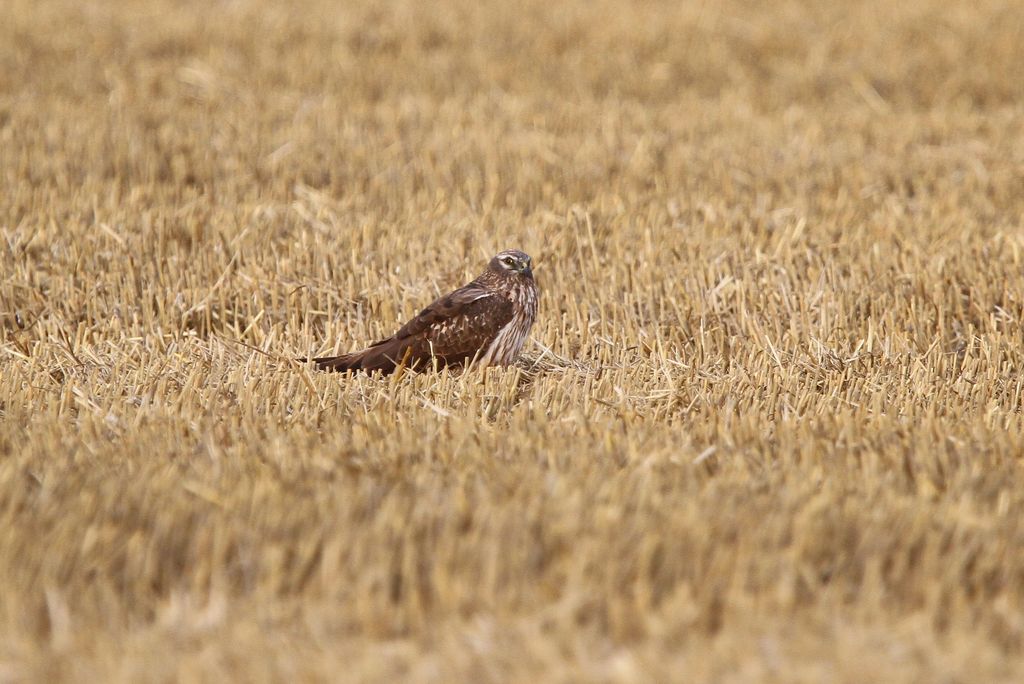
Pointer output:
x,y
768,427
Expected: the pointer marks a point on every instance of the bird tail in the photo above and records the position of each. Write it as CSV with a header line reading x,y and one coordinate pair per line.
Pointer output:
x,y
383,357
339,364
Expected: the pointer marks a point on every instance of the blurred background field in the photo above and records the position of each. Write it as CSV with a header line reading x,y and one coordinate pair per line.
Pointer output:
x,y
769,427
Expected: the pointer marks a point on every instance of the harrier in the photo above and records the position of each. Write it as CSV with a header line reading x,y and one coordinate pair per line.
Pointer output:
x,y
487,320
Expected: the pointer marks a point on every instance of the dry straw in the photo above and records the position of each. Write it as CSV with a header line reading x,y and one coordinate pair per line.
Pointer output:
x,y
769,427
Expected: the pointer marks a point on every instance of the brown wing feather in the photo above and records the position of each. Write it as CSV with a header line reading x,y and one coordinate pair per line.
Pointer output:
x,y
452,329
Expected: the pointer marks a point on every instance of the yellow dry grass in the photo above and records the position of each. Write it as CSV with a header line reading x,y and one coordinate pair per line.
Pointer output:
x,y
769,427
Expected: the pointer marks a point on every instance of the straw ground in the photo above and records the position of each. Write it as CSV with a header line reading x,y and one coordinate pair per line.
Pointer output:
x,y
769,428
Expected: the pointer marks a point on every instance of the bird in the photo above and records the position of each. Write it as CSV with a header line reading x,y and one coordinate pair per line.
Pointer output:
x,y
486,321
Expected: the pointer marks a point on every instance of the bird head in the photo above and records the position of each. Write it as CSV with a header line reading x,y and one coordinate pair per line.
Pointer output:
x,y
512,262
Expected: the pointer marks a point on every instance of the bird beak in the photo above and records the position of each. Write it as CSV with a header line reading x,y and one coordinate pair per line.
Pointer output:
x,y
528,271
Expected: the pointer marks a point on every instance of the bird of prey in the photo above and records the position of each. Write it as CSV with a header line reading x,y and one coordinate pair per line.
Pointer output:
x,y
486,321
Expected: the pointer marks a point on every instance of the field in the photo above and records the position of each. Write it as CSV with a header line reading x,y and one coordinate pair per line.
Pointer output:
x,y
768,426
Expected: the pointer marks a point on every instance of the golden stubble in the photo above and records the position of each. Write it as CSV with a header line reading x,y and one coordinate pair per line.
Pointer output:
x,y
767,428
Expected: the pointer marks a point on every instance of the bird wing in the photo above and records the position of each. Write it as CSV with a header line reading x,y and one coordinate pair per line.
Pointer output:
x,y
453,328
456,308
